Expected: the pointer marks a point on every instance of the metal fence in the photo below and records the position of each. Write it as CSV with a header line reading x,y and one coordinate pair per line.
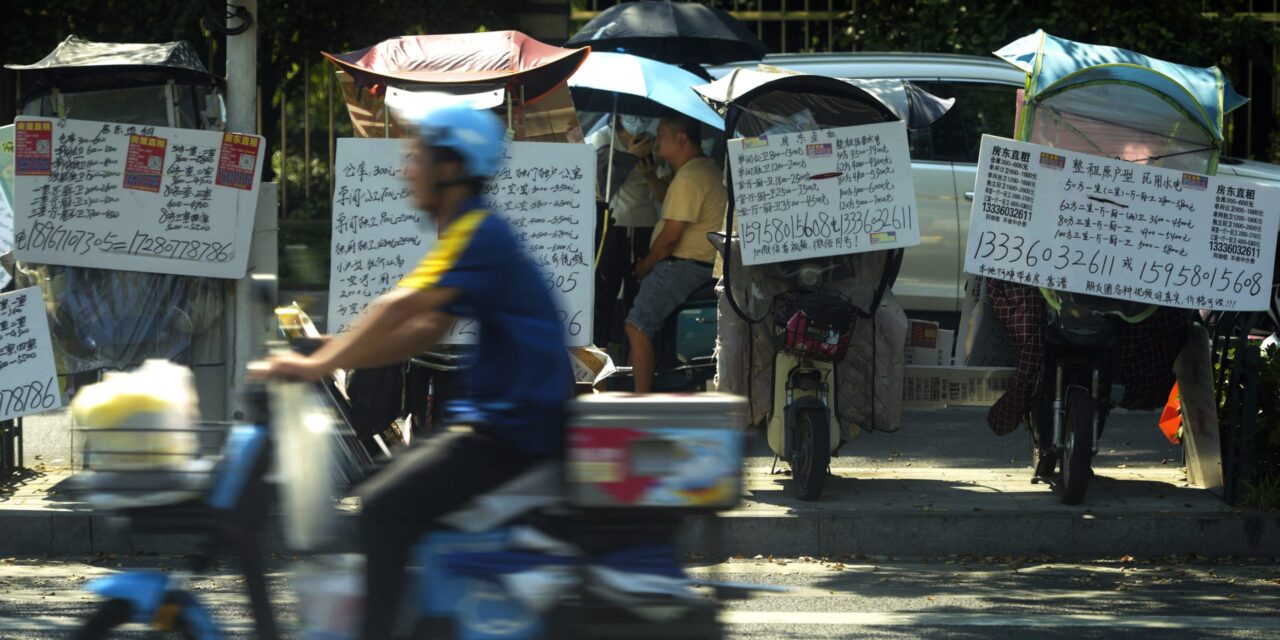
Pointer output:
x,y
1237,363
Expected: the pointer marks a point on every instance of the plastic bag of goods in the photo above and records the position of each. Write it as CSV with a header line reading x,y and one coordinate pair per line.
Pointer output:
x,y
141,419
303,425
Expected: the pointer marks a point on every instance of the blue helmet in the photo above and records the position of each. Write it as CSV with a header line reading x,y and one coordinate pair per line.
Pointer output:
x,y
476,135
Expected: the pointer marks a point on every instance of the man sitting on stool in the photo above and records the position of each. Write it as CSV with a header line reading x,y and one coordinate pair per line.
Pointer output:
x,y
680,256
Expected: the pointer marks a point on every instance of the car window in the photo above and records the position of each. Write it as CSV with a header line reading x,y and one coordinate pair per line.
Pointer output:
x,y
920,141
980,108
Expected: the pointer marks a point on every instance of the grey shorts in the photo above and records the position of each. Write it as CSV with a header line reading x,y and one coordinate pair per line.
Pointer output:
x,y
663,290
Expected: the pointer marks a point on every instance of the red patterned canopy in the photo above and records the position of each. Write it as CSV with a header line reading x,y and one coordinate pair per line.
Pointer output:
x,y
495,57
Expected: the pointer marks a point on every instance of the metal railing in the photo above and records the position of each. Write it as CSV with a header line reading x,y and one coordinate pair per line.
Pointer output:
x,y
1237,363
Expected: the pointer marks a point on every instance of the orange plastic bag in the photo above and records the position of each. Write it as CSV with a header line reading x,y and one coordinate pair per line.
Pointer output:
x,y
1171,417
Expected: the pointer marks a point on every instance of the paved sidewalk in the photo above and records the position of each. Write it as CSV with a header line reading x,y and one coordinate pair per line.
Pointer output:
x,y
892,511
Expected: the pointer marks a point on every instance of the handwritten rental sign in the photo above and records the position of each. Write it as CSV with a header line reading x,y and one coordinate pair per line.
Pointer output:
x,y
1087,224
546,190
28,380
823,193
135,198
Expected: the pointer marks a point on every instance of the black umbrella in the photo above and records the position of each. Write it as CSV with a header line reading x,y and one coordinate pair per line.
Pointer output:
x,y
680,33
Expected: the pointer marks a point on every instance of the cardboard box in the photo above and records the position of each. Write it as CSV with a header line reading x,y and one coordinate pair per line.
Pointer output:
x,y
946,347
928,344
938,386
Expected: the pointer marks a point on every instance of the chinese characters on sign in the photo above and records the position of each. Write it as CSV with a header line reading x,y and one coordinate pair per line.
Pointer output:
x,y
1075,222
28,381
134,198
823,193
546,191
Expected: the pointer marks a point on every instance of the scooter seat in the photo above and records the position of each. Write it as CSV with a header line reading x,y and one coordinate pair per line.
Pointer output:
x,y
540,486
705,293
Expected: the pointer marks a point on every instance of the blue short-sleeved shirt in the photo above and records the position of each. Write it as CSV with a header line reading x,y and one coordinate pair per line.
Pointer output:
x,y
521,378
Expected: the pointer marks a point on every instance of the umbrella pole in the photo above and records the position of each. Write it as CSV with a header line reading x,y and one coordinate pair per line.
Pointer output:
x,y
608,179
613,136
510,131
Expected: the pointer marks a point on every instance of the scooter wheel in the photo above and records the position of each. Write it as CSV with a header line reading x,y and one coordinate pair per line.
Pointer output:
x,y
1077,453
812,454
116,613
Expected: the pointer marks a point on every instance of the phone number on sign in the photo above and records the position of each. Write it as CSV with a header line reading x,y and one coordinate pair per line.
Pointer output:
x,y
33,396
51,236
1235,249
1014,249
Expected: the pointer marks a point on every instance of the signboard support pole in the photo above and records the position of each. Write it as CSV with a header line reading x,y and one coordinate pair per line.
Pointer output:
x,y
243,340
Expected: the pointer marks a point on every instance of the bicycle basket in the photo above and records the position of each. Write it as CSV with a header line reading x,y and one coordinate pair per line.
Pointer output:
x,y
817,324
134,466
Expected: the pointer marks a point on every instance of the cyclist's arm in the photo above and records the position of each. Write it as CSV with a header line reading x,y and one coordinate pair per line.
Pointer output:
x,y
398,325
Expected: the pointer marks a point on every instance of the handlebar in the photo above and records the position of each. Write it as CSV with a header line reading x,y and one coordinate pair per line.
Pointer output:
x,y
436,361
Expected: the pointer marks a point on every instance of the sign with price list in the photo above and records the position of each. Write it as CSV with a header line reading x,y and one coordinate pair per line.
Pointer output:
x,y
135,198
546,190
1086,224
826,192
28,379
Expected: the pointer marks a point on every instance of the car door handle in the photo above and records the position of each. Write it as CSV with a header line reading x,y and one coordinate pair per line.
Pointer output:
x,y
968,195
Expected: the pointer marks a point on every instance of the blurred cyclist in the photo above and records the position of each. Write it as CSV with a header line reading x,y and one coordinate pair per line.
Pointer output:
x,y
521,378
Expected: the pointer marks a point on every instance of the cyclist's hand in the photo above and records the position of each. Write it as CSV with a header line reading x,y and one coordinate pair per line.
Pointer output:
x,y
288,367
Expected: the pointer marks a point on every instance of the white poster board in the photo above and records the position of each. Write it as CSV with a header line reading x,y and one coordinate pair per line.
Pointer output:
x,y
826,192
545,189
6,234
135,198
28,379
1086,224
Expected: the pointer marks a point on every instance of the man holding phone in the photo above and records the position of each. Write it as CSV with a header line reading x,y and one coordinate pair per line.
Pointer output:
x,y
680,256
634,213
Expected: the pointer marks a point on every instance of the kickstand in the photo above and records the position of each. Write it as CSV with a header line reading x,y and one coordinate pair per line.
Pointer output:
x,y
773,471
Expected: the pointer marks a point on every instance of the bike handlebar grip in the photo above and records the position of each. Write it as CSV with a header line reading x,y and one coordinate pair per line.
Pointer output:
x,y
256,406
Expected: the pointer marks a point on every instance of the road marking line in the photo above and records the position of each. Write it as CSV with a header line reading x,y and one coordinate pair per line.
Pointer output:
x,y
908,619
844,619
53,623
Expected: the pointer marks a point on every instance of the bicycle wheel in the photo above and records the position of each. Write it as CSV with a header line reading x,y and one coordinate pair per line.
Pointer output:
x,y
812,453
1077,454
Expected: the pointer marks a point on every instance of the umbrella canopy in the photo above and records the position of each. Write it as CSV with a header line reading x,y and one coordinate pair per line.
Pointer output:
x,y
503,57
791,93
674,32
1054,64
642,87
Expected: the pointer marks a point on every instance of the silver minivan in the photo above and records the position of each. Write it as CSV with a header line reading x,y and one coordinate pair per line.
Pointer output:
x,y
944,157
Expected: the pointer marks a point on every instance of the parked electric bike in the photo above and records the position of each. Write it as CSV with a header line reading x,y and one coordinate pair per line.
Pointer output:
x,y
809,308
1117,104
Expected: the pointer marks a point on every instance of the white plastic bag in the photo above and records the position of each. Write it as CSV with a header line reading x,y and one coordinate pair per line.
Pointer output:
x,y
146,417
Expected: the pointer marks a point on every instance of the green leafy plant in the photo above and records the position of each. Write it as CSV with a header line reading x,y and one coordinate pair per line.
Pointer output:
x,y
1264,486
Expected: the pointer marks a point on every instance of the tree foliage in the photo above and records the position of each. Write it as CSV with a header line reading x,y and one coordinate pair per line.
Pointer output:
x,y
1193,32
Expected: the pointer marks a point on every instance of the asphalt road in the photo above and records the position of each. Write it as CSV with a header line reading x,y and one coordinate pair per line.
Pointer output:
x,y
955,598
